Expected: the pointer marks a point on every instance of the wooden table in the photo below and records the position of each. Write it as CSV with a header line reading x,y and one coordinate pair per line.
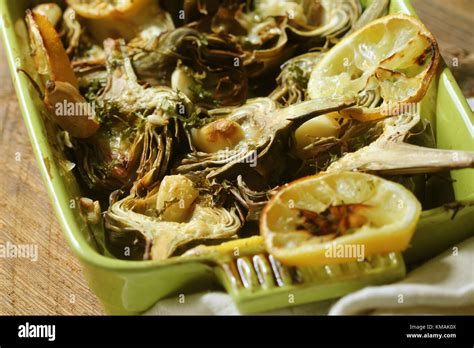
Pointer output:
x,y
54,284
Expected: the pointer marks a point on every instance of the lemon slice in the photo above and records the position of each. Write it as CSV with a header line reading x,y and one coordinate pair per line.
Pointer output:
x,y
394,56
337,218
107,9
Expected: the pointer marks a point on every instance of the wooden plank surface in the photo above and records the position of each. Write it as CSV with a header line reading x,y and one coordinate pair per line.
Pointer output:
x,y
452,23
54,285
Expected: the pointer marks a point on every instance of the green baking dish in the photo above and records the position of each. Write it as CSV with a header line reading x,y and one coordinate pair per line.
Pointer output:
x,y
131,287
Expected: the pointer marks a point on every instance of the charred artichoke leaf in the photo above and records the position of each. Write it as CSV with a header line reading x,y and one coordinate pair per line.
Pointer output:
x,y
391,156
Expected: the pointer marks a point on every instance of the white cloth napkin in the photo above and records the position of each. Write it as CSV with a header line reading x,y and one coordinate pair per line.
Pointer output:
x,y
443,285
471,103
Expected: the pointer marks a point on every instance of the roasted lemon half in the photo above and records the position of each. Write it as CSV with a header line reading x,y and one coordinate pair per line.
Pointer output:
x,y
394,57
338,217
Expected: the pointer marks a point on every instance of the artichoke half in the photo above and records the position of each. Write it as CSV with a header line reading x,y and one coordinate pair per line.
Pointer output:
x,y
390,155
308,24
138,128
264,130
174,213
270,31
207,68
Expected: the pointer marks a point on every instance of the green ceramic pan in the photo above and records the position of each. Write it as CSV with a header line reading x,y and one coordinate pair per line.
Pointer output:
x,y
254,279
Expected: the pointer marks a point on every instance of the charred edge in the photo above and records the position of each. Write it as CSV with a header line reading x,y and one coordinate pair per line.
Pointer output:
x,y
421,59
